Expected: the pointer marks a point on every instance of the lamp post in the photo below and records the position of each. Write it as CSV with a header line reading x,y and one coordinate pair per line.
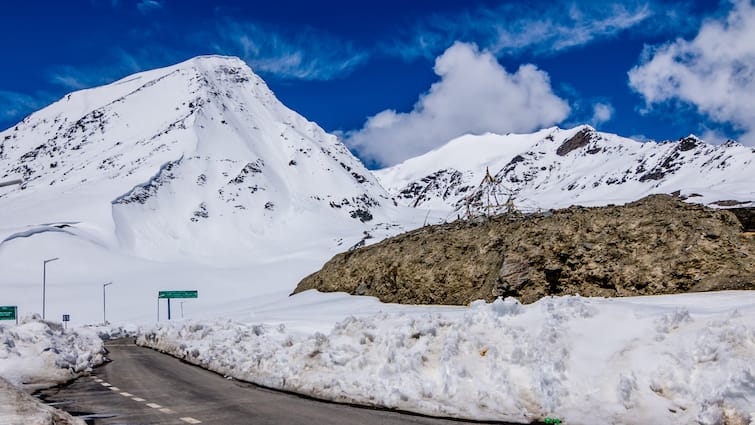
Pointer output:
x,y
104,311
44,282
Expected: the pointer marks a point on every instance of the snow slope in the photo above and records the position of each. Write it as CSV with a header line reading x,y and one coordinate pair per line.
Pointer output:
x,y
192,176
676,359
555,168
198,159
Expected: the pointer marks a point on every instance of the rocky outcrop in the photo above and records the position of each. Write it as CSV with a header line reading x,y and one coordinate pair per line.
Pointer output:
x,y
657,245
579,140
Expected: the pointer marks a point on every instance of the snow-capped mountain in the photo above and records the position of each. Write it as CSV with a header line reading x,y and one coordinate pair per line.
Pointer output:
x,y
555,168
198,158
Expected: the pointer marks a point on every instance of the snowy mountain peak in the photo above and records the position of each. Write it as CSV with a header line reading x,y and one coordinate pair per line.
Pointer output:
x,y
561,167
201,150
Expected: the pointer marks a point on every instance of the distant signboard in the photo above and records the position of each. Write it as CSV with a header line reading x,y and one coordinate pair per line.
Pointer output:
x,y
8,312
66,317
11,182
177,294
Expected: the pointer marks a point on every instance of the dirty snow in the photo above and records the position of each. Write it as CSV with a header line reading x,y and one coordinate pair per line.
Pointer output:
x,y
19,408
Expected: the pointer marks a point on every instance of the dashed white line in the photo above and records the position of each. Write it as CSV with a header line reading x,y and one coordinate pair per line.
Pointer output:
x,y
191,420
105,384
137,399
97,380
154,405
166,410
115,388
127,394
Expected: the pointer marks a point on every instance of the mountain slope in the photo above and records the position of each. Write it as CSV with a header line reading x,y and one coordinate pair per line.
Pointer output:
x,y
198,159
556,168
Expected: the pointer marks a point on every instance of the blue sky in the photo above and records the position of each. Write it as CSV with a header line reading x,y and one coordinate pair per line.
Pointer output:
x,y
397,78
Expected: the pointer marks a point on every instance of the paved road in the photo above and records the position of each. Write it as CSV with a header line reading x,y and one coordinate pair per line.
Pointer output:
x,y
142,386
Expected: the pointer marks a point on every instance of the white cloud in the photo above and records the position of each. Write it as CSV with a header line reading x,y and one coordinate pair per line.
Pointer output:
x,y
474,95
539,28
601,113
306,54
714,72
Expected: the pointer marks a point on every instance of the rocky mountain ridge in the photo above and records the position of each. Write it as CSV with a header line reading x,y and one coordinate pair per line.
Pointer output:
x,y
555,168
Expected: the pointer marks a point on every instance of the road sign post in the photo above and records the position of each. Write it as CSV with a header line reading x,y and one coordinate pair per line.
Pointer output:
x,y
9,312
173,294
66,319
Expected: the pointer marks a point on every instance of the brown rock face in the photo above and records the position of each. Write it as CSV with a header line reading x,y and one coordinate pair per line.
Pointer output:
x,y
657,245
579,140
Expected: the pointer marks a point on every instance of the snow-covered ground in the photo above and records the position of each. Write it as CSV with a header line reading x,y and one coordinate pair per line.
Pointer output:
x,y
676,359
19,408
38,354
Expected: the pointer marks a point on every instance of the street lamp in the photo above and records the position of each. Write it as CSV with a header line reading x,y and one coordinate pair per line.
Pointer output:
x,y
44,283
104,317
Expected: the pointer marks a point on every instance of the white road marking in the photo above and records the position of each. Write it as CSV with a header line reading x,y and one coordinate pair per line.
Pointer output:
x,y
115,388
166,410
137,399
97,380
191,420
127,394
105,384
154,405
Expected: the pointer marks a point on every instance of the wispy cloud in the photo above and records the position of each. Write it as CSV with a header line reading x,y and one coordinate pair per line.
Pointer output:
x,y
304,54
147,6
143,6
539,28
18,105
601,112
116,64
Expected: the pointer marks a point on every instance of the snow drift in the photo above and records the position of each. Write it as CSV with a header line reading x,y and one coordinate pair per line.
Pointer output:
x,y
672,359
39,354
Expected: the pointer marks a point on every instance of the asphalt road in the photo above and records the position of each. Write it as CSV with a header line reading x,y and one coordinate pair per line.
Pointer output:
x,y
142,386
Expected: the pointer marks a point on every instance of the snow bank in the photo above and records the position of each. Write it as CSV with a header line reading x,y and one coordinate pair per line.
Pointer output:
x,y
19,408
649,360
38,354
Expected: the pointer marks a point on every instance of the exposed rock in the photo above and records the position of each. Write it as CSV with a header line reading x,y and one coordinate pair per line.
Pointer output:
x,y
579,140
657,245
746,216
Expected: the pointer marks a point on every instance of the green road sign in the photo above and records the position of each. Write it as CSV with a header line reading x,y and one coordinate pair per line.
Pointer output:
x,y
8,312
177,294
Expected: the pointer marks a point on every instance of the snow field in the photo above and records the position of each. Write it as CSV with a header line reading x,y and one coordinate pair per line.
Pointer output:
x,y
650,360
